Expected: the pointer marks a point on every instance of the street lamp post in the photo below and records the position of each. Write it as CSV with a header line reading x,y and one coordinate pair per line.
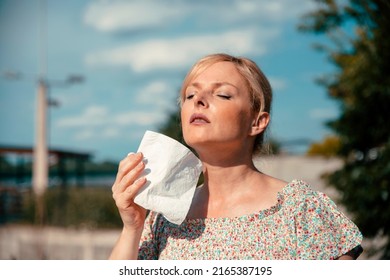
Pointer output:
x,y
41,153
40,162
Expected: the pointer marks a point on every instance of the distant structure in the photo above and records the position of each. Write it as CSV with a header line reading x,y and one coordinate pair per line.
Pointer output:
x,y
61,156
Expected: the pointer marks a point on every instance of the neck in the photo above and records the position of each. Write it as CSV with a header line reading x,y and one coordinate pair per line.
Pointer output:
x,y
226,172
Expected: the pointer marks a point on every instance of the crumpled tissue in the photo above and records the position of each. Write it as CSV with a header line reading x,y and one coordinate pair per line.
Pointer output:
x,y
172,172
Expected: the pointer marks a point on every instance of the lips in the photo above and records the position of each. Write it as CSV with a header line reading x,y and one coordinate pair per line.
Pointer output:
x,y
199,119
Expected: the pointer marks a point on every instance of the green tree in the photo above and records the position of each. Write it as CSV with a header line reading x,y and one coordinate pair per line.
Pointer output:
x,y
172,127
361,85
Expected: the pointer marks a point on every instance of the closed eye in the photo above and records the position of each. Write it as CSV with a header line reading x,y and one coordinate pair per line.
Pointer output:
x,y
189,96
224,96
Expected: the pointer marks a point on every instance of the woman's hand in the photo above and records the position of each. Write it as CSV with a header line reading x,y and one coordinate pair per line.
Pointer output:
x,y
124,190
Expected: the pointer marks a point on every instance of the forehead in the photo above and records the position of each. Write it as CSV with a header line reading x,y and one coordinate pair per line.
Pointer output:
x,y
219,72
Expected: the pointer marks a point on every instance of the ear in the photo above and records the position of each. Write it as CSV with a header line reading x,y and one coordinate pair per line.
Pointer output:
x,y
260,123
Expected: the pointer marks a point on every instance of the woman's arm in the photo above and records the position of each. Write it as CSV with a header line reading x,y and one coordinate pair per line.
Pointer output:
x,y
126,247
345,257
353,254
124,190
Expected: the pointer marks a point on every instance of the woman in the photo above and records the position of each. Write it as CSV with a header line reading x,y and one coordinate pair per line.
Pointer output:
x,y
239,212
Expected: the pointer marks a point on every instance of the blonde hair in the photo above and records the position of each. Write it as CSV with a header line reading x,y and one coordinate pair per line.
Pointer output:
x,y
257,83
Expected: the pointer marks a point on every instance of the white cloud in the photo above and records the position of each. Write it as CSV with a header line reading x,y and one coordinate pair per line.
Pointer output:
x,y
322,113
69,99
92,116
241,27
96,116
88,133
143,118
85,134
111,132
152,91
99,121
111,16
277,83
180,52
158,94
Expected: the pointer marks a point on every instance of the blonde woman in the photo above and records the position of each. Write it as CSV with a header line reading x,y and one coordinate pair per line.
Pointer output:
x,y
239,212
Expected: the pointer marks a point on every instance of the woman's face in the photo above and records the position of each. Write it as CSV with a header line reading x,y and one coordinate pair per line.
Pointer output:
x,y
216,110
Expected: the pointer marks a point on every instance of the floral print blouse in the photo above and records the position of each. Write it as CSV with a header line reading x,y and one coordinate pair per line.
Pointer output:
x,y
304,224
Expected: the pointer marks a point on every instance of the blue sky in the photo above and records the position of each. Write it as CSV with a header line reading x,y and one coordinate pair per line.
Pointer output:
x,y
134,55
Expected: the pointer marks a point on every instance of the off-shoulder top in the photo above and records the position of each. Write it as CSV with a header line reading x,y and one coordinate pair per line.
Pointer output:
x,y
304,224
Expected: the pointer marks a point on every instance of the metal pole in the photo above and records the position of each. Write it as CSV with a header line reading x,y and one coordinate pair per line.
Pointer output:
x,y
40,162
40,166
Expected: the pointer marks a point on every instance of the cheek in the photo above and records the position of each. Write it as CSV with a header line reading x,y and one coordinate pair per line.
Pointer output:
x,y
235,116
184,116
183,112
239,121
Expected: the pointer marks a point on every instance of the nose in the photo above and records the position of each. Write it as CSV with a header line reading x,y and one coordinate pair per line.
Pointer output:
x,y
200,99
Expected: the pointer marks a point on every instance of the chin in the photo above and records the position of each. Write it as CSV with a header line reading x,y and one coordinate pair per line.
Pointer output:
x,y
195,141
201,144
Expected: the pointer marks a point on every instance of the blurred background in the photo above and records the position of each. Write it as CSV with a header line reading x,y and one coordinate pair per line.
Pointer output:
x,y
81,81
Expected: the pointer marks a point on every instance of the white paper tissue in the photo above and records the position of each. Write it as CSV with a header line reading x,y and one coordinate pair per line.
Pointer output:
x,y
172,172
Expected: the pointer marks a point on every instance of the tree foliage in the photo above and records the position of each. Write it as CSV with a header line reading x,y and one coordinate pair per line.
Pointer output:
x,y
361,85
329,147
172,127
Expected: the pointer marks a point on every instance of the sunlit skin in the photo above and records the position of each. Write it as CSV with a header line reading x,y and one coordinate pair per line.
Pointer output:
x,y
220,98
219,123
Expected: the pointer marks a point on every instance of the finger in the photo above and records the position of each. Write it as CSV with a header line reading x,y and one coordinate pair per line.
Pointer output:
x,y
125,199
134,188
127,164
129,178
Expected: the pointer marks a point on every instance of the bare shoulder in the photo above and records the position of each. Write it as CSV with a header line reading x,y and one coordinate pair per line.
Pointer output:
x,y
274,184
266,191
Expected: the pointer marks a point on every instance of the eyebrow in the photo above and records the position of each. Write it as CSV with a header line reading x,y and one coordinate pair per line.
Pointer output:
x,y
215,85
